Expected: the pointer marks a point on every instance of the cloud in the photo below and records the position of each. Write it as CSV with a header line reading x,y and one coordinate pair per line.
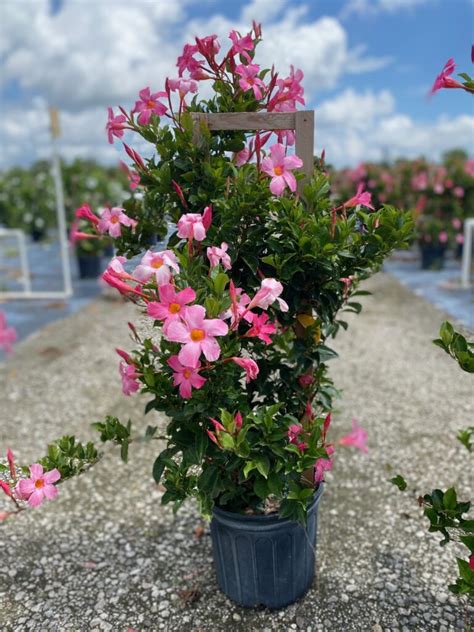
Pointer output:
x,y
355,127
373,7
65,59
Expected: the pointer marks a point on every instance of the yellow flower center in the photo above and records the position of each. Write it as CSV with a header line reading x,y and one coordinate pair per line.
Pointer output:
x,y
151,104
187,373
157,263
174,308
39,483
114,219
197,335
278,171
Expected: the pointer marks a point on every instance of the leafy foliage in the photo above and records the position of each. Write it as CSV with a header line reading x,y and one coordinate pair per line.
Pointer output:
x,y
456,346
69,456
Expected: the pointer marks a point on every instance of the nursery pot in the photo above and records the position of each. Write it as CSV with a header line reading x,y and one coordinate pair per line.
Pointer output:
x,y
89,266
432,256
264,560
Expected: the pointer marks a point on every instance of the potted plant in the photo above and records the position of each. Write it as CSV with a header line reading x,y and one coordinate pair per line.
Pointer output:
x,y
244,301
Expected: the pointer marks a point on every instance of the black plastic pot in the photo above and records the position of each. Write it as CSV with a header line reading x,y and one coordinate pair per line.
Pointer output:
x,y
264,560
89,266
432,256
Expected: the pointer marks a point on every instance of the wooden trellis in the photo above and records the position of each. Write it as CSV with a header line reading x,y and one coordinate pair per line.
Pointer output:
x,y
301,122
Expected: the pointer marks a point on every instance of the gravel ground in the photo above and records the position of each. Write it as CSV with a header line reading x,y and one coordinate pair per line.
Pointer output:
x,y
106,556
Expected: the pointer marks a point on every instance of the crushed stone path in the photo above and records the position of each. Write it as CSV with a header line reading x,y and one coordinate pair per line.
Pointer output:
x,y
106,556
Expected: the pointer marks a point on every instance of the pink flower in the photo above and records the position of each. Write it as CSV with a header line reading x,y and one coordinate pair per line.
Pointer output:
x,y
357,438
148,105
158,265
191,226
238,420
260,329
129,375
208,46
76,235
115,125
444,80
459,238
456,222
172,304
11,463
471,561
326,424
294,432
242,157
249,79
186,60
361,197
182,86
240,45
268,293
7,334
250,367
322,465
185,377
85,212
218,255
6,488
238,308
469,167
458,192
306,380
111,219
279,167
197,334
290,92
442,237
39,486
419,182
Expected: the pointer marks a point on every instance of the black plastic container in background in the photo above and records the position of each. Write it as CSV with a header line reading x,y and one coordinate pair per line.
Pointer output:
x,y
432,256
264,560
89,266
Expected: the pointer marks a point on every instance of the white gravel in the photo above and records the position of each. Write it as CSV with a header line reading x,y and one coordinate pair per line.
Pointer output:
x,y
106,556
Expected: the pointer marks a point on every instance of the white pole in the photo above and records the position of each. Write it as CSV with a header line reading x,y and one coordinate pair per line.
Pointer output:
x,y
467,253
26,277
61,215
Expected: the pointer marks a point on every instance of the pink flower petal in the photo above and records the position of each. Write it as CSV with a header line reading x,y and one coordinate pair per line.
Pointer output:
x,y
36,471
36,498
52,476
211,349
189,354
50,491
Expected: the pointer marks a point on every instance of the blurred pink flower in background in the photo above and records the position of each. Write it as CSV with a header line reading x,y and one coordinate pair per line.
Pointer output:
x,y
8,334
357,438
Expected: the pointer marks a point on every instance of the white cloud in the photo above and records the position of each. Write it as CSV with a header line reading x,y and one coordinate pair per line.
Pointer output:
x,y
372,7
355,127
84,60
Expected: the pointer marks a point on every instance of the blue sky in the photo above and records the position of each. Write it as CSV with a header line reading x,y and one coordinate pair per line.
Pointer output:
x,y
368,66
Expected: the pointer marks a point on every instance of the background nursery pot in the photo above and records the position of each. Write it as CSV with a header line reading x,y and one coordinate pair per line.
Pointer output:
x,y
264,560
89,266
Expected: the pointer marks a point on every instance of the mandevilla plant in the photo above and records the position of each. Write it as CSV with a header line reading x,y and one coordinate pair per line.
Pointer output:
x,y
247,293
442,508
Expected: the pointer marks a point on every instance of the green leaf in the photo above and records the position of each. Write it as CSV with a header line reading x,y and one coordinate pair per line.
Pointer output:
x,y
449,499
399,481
446,333
260,487
262,464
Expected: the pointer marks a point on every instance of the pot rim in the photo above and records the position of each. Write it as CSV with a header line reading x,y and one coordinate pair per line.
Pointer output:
x,y
274,518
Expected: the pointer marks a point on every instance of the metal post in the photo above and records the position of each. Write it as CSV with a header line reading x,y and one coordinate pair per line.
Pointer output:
x,y
61,215
467,253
